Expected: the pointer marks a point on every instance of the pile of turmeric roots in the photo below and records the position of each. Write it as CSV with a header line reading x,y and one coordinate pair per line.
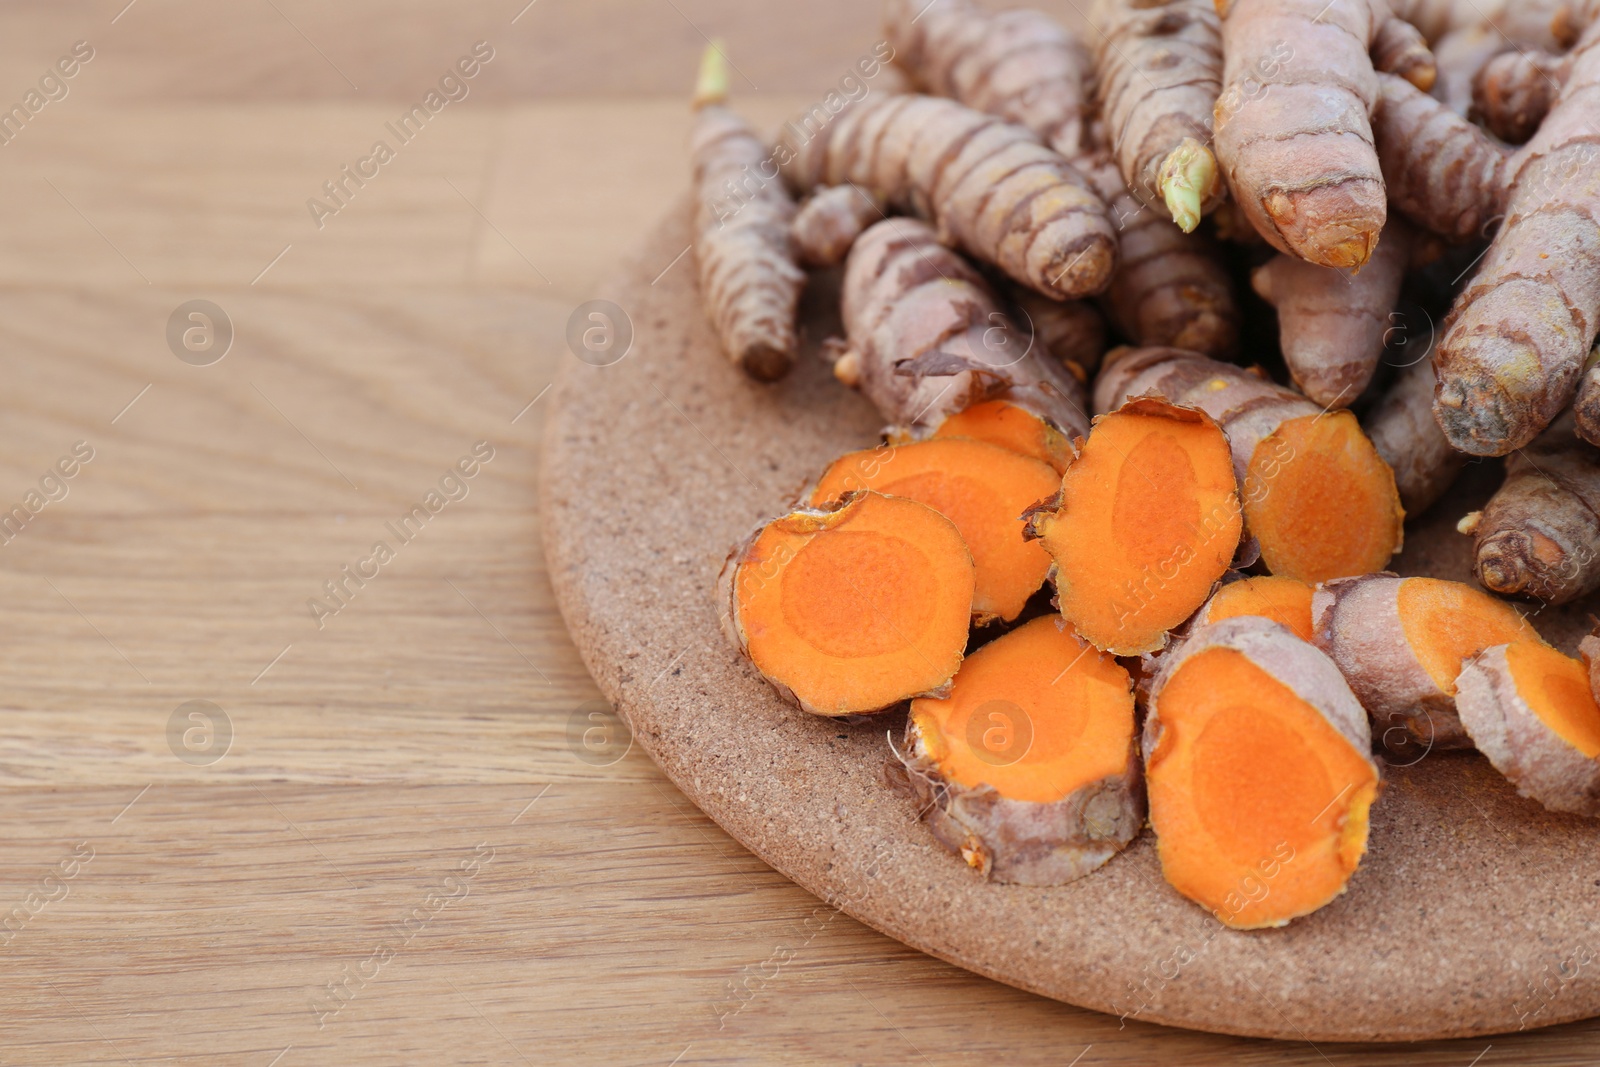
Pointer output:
x,y
1038,249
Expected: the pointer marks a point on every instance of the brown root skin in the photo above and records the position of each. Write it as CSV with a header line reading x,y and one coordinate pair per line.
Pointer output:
x,y
1401,49
1374,628
1589,652
1586,403
1292,125
748,278
1244,709
1402,429
997,783
829,222
1331,323
990,187
1073,331
1538,534
1507,698
927,337
1514,91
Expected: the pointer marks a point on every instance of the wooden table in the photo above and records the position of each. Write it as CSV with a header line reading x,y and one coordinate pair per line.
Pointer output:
x,y
388,837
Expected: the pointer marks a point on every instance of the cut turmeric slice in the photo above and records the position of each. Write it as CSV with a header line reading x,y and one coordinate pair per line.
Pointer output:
x,y
1286,601
854,607
1259,778
982,488
1531,711
1029,768
1401,642
1146,522
1003,423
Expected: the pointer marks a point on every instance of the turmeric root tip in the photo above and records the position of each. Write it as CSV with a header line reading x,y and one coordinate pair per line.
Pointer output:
x,y
1028,769
852,608
1286,601
1146,522
1259,778
982,488
1531,711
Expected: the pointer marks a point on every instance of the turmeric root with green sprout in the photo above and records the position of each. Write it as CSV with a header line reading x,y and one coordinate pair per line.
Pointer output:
x,y
1029,768
1318,500
990,187
748,277
1514,91
852,607
1146,521
1159,73
1259,778
1331,323
1401,643
1539,535
1402,429
1532,711
829,222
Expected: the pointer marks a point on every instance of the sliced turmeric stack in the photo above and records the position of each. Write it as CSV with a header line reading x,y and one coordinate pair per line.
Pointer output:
x,y
1257,765
853,607
1029,768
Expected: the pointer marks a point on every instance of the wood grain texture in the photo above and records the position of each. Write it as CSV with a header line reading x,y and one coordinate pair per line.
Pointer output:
x,y
615,923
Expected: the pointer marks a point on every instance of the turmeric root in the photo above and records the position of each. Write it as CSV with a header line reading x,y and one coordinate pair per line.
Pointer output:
x,y
1539,535
1257,767
991,188
748,278
829,222
853,607
1401,643
1292,124
1402,429
1331,323
1072,331
982,488
1401,49
1146,522
1514,91
1483,29
1002,423
927,338
1317,498
1029,768
1531,711
1586,404
1286,601
1159,67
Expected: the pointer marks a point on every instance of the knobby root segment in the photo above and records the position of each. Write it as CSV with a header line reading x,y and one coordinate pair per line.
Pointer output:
x,y
1158,66
851,608
990,187
1539,534
1292,124
748,277
1401,643
1515,90
1332,323
1286,601
1146,522
1029,770
1260,782
928,339
829,222
1519,332
1531,710
1073,331
1002,423
1318,500
982,488
1400,49
1586,404
1403,431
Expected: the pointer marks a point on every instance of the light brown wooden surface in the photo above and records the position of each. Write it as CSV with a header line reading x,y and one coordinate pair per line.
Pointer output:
x,y
372,757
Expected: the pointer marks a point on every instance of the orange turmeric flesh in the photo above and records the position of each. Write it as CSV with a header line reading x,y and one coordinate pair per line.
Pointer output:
x,y
1556,689
1148,520
1003,423
1448,622
1283,600
1259,803
982,488
855,609
1320,500
1037,714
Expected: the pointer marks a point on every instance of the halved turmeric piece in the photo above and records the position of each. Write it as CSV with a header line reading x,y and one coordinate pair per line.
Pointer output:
x,y
853,607
1146,522
1401,642
1256,759
1286,601
1029,769
1000,422
1530,710
982,488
